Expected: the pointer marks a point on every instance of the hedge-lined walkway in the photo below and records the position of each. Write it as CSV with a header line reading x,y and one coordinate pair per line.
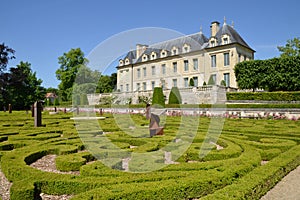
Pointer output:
x,y
287,188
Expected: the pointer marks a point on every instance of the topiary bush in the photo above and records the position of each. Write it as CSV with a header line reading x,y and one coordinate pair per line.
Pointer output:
x,y
158,97
175,97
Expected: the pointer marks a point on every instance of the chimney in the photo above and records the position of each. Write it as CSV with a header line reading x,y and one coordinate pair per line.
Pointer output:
x,y
214,28
140,48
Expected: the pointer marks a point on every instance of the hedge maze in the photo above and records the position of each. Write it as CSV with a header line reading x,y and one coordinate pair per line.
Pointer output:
x,y
247,160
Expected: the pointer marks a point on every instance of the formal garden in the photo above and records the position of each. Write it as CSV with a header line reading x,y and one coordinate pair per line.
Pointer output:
x,y
247,160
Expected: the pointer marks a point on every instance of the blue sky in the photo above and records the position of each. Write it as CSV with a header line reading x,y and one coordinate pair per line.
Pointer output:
x,y
40,31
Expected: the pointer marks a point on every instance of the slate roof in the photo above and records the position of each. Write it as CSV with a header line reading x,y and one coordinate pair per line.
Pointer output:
x,y
197,41
234,36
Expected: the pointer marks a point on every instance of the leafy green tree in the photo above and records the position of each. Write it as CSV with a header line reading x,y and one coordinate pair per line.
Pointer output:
x,y
276,74
106,84
249,74
23,86
291,48
69,65
158,97
6,54
175,97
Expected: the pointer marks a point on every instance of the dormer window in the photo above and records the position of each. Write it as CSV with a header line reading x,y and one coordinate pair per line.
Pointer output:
x,y
186,48
213,42
225,39
145,57
153,55
163,53
127,61
174,51
121,62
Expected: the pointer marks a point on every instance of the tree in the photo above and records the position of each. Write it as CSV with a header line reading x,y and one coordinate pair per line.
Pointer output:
x,y
292,48
6,54
69,65
107,83
276,74
158,97
175,97
23,87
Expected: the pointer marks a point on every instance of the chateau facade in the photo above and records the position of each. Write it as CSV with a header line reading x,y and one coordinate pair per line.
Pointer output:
x,y
175,62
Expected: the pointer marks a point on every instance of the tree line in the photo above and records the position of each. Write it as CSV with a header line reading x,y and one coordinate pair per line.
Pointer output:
x,y
276,74
20,87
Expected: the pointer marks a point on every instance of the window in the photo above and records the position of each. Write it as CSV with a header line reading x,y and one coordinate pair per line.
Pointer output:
x,y
195,81
227,79
174,82
245,57
212,43
186,82
152,84
239,58
145,58
195,64
144,86
138,85
226,59
139,73
186,65
127,87
163,84
153,70
174,67
163,68
121,63
214,78
121,88
145,71
225,40
174,50
126,61
213,61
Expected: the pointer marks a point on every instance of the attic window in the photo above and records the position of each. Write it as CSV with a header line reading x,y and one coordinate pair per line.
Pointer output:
x,y
121,63
144,58
163,53
225,40
174,50
212,43
186,48
127,61
153,55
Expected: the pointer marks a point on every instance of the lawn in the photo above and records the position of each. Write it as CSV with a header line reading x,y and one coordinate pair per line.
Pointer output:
x,y
248,158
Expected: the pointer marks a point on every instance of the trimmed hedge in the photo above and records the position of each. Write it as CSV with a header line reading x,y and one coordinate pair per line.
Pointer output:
x,y
234,172
264,96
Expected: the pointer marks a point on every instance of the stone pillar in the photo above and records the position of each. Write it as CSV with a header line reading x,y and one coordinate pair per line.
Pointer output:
x,y
77,110
9,108
37,114
32,110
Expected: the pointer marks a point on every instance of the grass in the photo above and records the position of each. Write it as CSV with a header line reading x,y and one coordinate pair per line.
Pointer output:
x,y
234,172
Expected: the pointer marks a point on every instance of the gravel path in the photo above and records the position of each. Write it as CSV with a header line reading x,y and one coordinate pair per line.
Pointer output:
x,y
287,189
4,186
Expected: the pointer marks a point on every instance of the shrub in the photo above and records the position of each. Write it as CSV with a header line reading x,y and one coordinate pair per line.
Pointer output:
x,y
192,83
223,83
158,97
264,96
211,81
175,97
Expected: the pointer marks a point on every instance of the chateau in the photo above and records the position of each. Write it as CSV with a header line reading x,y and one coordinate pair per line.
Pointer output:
x,y
174,62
